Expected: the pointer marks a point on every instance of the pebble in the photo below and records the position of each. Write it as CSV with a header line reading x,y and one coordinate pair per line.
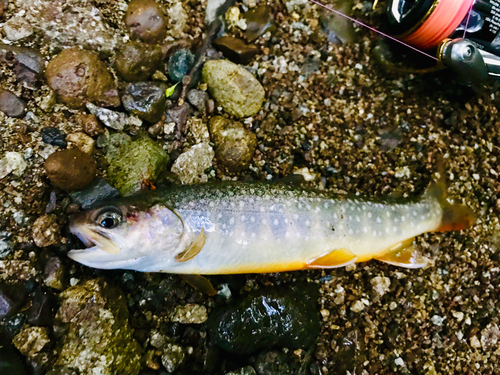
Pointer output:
x,y
269,317
178,115
146,21
11,105
11,361
81,141
3,6
13,162
88,123
5,244
272,363
28,64
12,298
180,64
172,357
190,166
70,169
198,98
31,340
234,145
54,274
98,339
53,136
17,28
146,100
258,21
198,130
137,61
99,190
40,313
380,285
112,119
137,165
189,314
236,49
238,92
78,76
62,370
45,231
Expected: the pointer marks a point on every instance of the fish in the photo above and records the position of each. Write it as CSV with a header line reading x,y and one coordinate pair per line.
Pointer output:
x,y
235,227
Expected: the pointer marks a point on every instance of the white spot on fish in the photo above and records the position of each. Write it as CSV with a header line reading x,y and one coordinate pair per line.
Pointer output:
x,y
276,222
358,219
231,221
403,218
351,232
414,213
375,233
365,230
388,214
379,220
326,205
307,223
369,215
252,219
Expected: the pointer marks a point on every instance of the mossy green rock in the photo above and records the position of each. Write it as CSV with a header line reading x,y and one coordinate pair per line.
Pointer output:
x,y
238,92
234,145
99,339
136,165
267,318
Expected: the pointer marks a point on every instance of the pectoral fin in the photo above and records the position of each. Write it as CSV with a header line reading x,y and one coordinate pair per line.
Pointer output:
x,y
193,249
200,283
404,254
333,259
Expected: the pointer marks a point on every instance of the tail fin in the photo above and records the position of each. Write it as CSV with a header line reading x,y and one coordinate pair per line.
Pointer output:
x,y
455,216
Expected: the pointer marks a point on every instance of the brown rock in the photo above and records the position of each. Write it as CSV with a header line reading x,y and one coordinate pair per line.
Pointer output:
x,y
46,231
259,20
146,21
137,62
11,105
236,49
78,76
70,169
234,145
89,124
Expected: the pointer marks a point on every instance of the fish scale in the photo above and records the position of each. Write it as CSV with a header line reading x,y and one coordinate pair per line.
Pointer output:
x,y
239,228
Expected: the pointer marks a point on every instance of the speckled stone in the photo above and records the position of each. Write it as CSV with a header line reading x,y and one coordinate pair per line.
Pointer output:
x,y
190,166
99,339
146,21
31,340
190,314
238,92
46,231
78,76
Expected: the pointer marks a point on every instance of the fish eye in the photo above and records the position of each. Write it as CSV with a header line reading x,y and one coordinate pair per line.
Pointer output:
x,y
109,218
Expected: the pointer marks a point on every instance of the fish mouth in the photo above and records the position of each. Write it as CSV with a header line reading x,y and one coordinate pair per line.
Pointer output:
x,y
94,239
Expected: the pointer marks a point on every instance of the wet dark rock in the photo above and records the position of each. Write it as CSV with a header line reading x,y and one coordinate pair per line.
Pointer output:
x,y
236,49
337,28
40,313
238,92
137,62
53,136
46,231
11,105
234,145
5,244
198,98
390,138
272,363
146,21
12,326
310,66
259,20
12,298
54,274
88,123
99,190
146,100
275,317
78,76
137,165
99,336
180,64
27,63
11,361
172,357
70,169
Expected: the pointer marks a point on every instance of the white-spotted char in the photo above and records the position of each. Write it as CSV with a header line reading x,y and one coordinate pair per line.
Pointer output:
x,y
228,228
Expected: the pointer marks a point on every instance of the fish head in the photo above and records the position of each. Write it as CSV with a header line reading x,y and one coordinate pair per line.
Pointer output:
x,y
126,236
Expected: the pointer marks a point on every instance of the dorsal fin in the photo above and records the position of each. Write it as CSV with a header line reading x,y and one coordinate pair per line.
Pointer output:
x,y
193,249
405,255
333,259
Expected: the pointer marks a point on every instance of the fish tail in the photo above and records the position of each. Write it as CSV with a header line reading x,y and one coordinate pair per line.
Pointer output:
x,y
455,216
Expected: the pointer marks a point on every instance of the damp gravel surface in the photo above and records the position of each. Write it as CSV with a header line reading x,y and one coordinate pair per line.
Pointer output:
x,y
333,113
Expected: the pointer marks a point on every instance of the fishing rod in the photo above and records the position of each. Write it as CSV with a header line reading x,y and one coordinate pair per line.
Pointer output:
x,y
465,34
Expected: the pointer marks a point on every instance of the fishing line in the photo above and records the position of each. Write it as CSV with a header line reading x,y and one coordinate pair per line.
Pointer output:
x,y
372,28
468,18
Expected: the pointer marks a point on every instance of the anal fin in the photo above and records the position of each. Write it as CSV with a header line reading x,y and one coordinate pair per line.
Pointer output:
x,y
405,255
193,249
200,283
333,259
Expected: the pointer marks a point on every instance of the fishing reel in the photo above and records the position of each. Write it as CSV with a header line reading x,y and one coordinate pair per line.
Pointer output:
x,y
464,33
